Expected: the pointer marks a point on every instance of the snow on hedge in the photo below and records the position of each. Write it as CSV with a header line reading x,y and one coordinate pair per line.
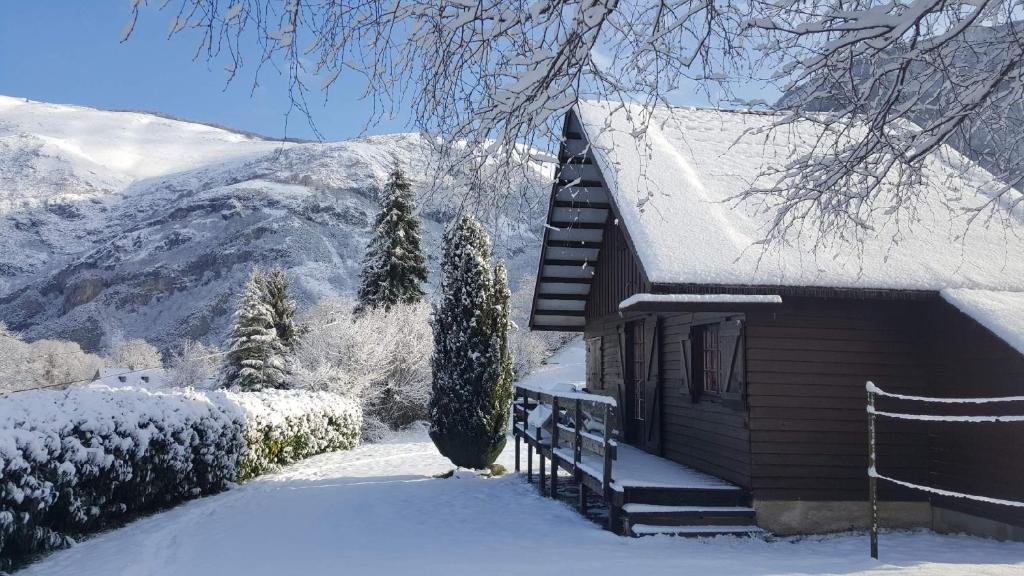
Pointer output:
x,y
78,460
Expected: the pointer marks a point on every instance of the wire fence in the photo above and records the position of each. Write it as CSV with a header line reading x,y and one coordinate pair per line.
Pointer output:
x,y
873,473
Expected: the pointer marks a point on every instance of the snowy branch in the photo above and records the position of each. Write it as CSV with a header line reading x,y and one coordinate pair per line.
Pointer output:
x,y
888,83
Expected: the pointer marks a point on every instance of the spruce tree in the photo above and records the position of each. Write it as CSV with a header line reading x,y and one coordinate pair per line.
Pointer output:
x,y
282,309
255,355
472,369
394,267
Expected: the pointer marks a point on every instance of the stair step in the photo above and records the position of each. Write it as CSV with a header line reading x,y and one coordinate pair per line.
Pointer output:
x,y
696,531
640,514
693,496
637,508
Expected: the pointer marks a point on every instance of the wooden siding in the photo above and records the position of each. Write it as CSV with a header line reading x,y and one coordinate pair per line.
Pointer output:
x,y
617,276
976,458
807,364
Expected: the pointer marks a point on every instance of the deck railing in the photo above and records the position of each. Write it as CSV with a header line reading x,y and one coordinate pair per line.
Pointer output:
x,y
577,434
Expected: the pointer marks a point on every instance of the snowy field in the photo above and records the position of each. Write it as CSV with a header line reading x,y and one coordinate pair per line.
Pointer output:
x,y
378,510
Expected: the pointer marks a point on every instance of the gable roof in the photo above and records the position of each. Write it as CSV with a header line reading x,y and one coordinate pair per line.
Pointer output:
x,y
670,188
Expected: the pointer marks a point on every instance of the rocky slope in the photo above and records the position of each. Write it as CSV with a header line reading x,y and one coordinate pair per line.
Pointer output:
x,y
134,224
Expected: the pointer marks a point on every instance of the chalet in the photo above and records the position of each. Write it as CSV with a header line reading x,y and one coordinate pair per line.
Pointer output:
x,y
732,378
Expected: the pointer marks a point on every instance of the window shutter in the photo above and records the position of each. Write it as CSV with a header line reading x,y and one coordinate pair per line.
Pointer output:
x,y
652,419
731,371
686,366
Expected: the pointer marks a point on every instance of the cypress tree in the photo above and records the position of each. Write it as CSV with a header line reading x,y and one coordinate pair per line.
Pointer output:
x,y
394,267
472,369
254,360
282,309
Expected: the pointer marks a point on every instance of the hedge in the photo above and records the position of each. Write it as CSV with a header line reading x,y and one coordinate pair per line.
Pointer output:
x,y
85,459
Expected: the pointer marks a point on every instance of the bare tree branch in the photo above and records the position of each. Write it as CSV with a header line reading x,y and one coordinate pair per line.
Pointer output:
x,y
888,83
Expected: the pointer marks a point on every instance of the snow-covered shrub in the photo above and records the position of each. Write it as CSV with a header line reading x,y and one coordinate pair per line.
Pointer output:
x,y
43,362
193,365
283,426
135,354
381,358
78,460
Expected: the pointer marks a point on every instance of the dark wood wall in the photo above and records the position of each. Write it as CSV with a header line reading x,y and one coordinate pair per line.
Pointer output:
x,y
708,434
617,274
807,364
975,458
802,431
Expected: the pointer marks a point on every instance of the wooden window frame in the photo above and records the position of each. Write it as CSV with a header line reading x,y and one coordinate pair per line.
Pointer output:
x,y
710,353
727,336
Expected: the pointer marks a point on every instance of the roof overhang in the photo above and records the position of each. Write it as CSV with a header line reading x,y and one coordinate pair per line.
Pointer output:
x,y
703,302
577,214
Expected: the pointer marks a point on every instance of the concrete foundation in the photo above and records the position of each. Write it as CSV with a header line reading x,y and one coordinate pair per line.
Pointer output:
x,y
784,517
789,517
951,521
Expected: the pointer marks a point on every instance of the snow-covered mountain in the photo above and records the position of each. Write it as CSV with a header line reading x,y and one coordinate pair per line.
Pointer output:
x,y
137,224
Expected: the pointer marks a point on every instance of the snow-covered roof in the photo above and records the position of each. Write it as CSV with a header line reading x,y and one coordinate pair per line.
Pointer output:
x,y
671,185
1000,312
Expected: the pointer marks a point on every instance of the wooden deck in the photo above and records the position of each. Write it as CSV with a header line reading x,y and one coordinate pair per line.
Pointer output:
x,y
644,493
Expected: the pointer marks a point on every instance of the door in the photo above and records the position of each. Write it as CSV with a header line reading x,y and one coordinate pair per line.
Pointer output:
x,y
644,386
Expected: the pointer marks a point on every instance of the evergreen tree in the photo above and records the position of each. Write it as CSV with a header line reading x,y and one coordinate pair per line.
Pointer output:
x,y
472,378
282,309
394,267
255,353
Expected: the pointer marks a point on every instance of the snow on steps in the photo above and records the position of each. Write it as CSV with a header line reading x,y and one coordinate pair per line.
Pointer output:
x,y
695,531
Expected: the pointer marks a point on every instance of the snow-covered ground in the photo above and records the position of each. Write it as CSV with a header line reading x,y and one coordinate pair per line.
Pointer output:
x,y
379,510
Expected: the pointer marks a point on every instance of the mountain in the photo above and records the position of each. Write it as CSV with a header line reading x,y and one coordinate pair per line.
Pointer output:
x,y
139,225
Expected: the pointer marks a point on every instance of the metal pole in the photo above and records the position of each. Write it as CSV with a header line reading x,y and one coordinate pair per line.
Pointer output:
x,y
872,471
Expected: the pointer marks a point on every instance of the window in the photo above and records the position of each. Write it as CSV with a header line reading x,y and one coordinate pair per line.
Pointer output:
x,y
710,359
639,374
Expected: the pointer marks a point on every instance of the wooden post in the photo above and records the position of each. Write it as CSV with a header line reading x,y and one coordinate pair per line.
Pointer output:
x,y
515,428
872,471
577,442
529,461
554,446
529,445
540,453
606,476
577,454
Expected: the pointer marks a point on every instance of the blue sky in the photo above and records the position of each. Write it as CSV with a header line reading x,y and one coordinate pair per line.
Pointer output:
x,y
69,51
